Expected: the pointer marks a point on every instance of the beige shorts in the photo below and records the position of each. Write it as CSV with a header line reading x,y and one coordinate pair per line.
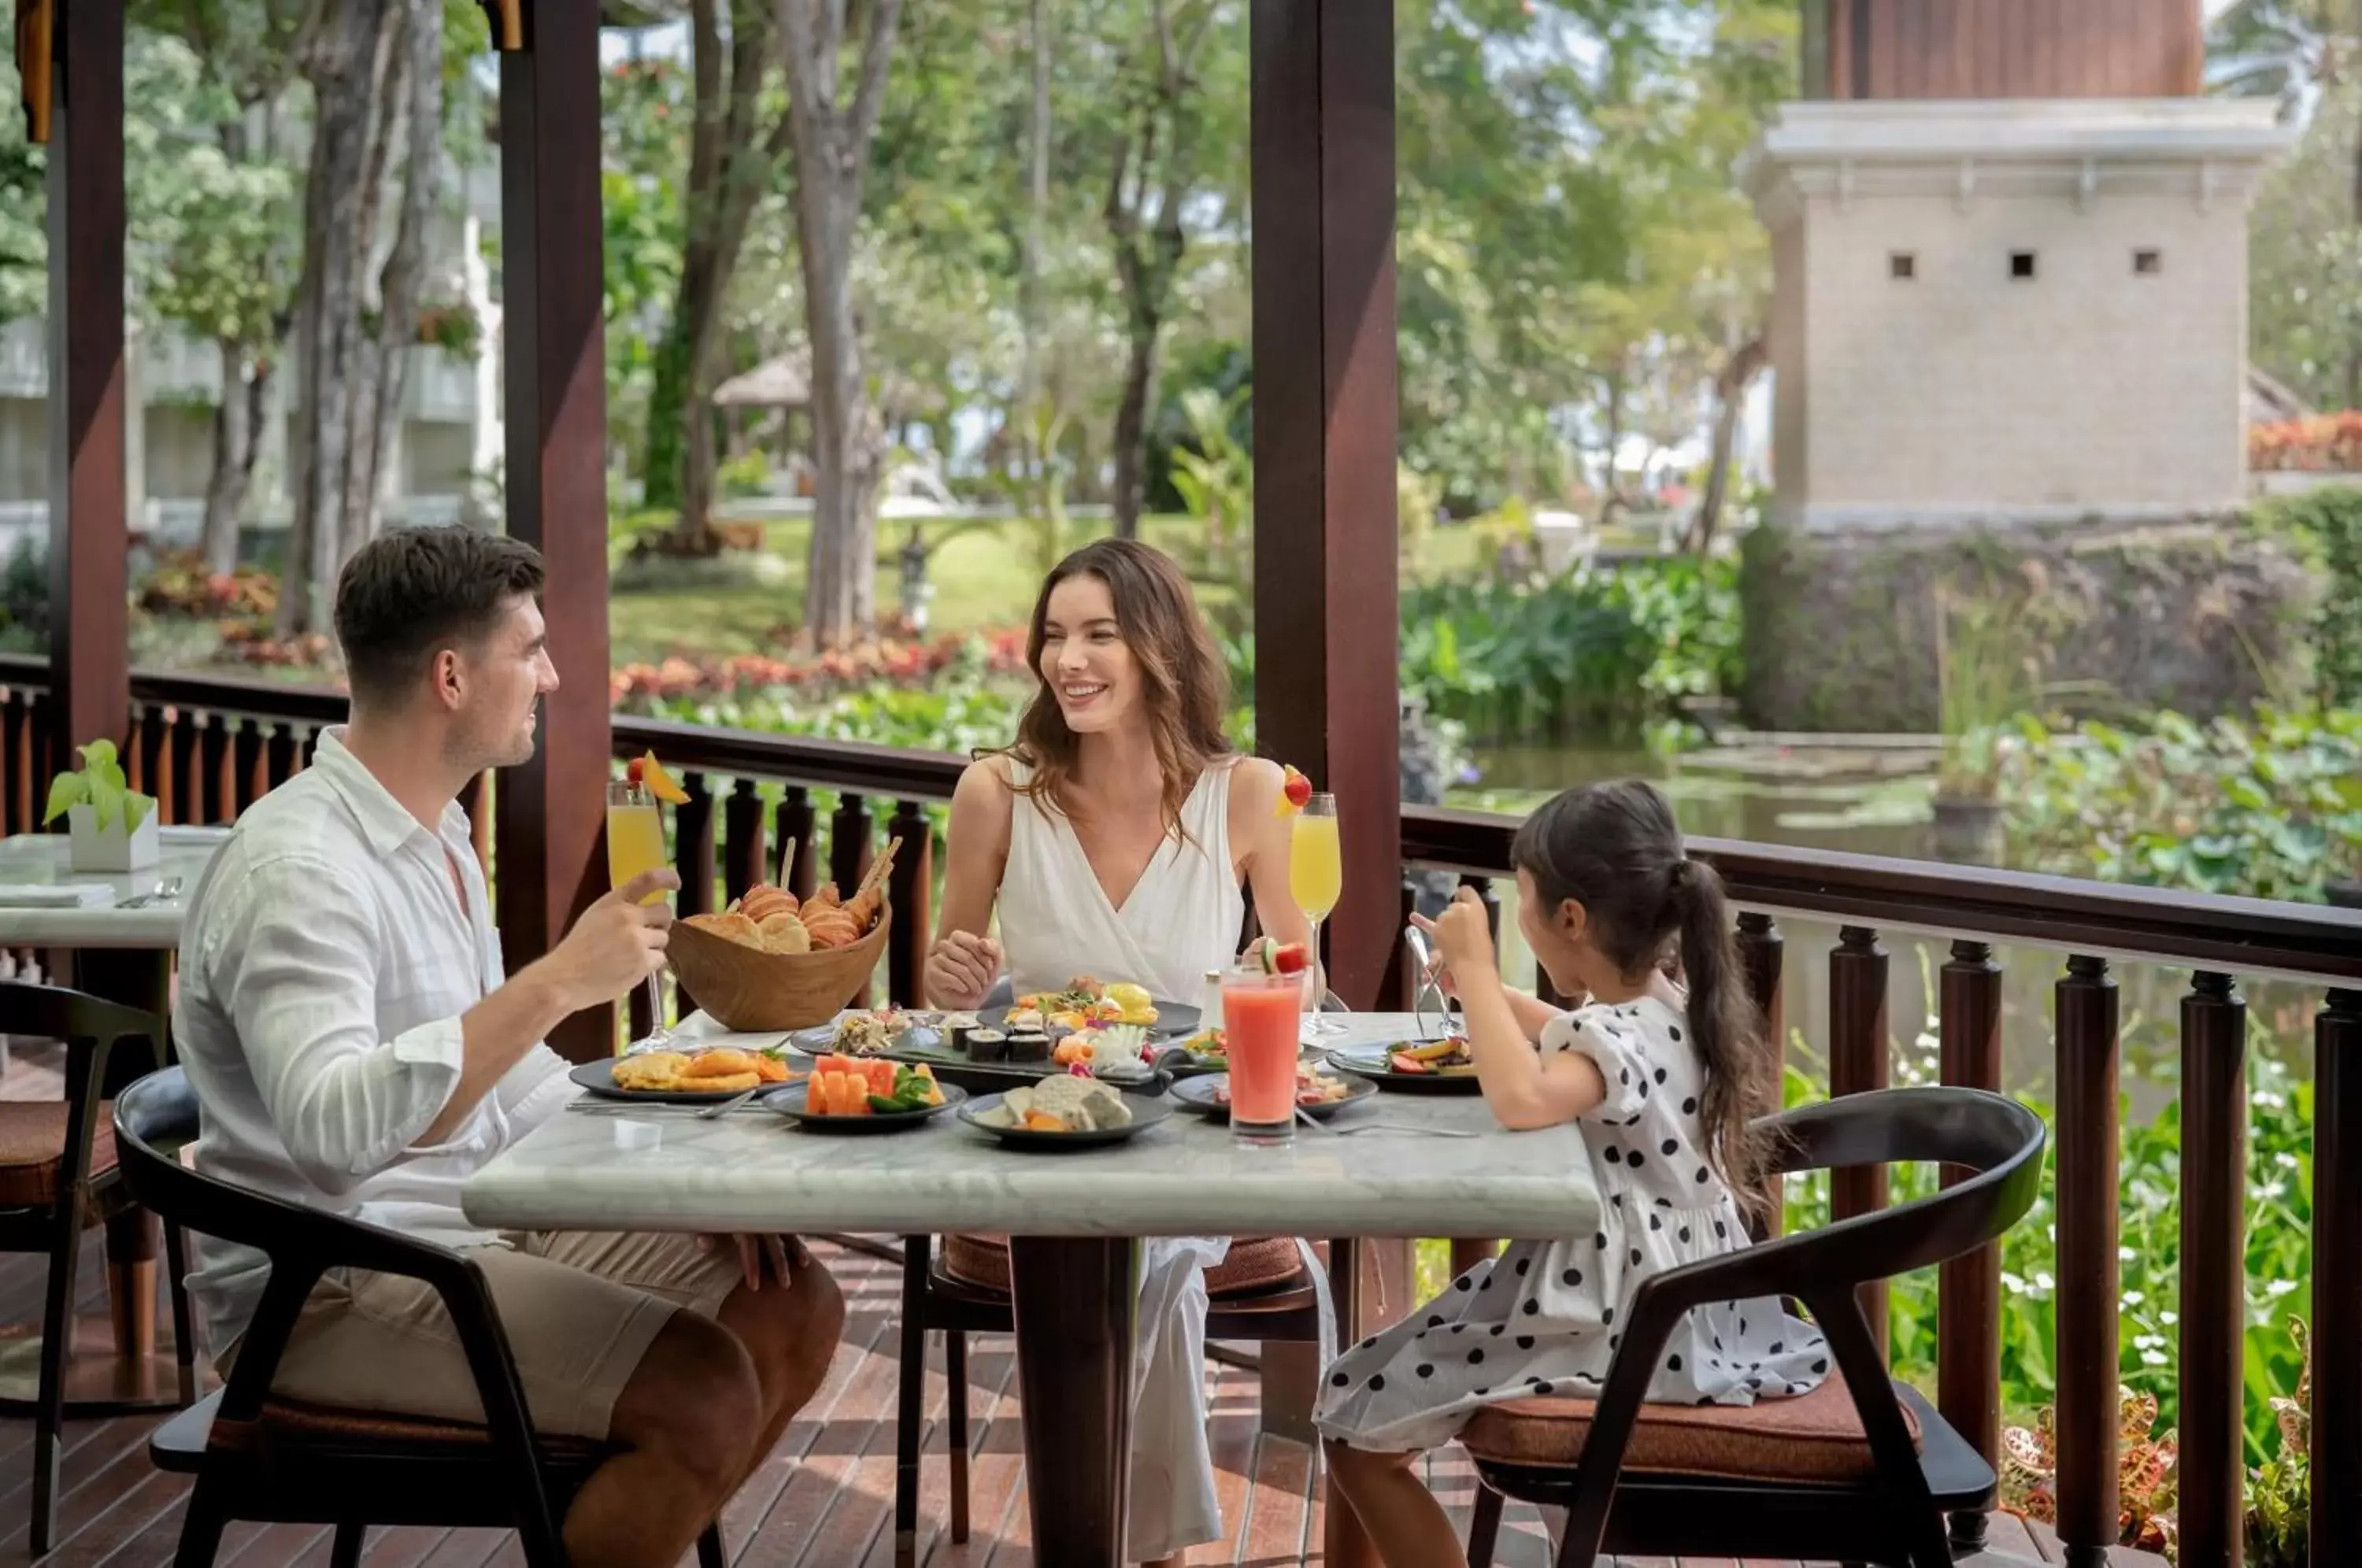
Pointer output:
x,y
579,1309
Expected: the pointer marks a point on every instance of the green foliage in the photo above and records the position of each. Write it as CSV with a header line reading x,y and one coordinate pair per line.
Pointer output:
x,y
100,785
2269,805
2327,523
2278,1258
747,474
1591,653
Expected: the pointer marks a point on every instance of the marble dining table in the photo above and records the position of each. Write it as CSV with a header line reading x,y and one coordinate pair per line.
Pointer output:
x,y
1074,1219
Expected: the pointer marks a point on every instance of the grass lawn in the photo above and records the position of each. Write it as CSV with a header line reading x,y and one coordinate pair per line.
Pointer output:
x,y
985,574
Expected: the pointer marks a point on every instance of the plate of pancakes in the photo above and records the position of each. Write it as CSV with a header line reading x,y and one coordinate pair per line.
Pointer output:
x,y
688,1077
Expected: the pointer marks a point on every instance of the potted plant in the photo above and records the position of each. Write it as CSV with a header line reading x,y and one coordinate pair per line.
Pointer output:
x,y
114,825
1983,680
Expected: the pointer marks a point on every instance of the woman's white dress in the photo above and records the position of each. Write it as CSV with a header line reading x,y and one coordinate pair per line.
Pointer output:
x,y
1544,1317
1182,919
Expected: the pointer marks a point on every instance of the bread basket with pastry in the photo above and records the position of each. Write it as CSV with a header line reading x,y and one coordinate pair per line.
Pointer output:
x,y
772,961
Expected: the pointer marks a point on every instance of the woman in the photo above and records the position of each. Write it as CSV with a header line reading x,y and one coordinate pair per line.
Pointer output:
x,y
1119,838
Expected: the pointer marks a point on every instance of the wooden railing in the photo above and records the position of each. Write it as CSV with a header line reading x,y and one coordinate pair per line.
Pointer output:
x,y
207,747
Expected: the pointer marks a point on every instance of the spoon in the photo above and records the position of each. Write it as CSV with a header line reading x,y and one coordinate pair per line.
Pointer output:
x,y
169,887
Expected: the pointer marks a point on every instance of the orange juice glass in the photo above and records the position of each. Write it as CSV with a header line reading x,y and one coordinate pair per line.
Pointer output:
x,y
1260,1018
636,843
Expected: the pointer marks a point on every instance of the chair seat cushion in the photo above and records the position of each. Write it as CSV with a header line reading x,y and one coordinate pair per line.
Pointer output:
x,y
33,1148
1815,1437
1254,1264
289,1421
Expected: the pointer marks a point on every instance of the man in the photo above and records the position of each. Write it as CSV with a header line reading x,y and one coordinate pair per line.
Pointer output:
x,y
355,1045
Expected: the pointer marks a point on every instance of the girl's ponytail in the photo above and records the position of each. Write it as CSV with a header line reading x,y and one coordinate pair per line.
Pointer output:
x,y
1737,1063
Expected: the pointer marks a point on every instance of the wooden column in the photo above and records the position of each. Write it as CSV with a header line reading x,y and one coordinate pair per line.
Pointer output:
x,y
89,671
1322,147
1859,1062
552,812
1968,1289
2336,1523
2214,1272
2087,1307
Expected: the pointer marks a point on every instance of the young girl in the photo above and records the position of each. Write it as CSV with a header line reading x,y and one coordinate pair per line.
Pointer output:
x,y
1662,1084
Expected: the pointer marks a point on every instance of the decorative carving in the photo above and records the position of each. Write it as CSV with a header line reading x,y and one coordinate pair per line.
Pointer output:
x,y
35,32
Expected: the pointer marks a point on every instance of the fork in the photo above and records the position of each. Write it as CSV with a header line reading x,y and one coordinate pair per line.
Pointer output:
x,y
169,887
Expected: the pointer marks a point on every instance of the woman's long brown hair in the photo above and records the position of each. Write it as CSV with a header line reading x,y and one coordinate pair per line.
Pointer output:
x,y
1183,684
1616,850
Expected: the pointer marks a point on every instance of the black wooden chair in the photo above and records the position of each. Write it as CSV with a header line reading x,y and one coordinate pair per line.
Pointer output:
x,y
1862,1469
260,1458
59,1177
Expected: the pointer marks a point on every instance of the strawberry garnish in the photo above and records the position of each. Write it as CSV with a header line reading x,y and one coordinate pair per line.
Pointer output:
x,y
633,771
1291,959
1294,791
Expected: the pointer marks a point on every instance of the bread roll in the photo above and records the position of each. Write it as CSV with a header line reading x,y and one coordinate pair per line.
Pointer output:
x,y
737,928
722,1061
762,902
783,933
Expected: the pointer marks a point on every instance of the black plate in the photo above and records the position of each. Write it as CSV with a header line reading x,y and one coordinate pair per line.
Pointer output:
x,y
1173,1020
598,1078
1145,1112
788,1100
1370,1062
1197,1095
820,1039
993,1077
1181,1064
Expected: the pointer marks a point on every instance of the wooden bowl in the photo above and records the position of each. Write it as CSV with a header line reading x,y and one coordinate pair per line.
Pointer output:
x,y
756,992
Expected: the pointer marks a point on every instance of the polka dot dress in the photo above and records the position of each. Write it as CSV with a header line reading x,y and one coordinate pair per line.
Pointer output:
x,y
1544,1317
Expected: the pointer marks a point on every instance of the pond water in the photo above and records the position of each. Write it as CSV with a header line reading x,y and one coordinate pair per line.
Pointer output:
x,y
1875,800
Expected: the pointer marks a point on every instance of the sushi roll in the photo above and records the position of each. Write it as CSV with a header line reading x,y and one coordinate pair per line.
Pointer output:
x,y
1028,1045
983,1044
958,1027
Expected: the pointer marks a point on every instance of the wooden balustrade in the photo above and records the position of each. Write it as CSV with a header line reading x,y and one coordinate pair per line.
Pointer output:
x,y
207,748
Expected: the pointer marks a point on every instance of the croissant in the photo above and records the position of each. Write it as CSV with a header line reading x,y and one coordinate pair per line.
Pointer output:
x,y
863,908
826,899
833,930
735,927
762,902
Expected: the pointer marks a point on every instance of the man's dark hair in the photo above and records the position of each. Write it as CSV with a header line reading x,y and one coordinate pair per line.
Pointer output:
x,y
411,593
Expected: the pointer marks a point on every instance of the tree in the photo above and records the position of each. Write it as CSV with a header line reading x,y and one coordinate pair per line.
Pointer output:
x,y
738,141
230,260
375,67
832,139
1168,131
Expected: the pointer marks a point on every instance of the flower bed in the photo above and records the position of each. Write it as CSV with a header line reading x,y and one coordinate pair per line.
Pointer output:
x,y
902,661
2326,443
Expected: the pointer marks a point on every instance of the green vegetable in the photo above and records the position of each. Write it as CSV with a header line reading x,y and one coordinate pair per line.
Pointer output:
x,y
889,1104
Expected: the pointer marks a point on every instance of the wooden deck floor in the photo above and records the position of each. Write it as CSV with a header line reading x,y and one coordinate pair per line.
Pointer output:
x,y
823,1499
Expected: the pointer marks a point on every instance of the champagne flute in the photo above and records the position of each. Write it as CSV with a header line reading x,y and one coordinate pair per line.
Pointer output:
x,y
1316,877
636,844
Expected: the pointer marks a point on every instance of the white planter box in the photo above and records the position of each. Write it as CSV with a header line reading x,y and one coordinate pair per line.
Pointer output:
x,y
111,848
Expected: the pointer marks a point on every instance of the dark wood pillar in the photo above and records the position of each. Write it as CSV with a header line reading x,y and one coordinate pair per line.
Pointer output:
x,y
551,813
89,670
2003,48
1323,165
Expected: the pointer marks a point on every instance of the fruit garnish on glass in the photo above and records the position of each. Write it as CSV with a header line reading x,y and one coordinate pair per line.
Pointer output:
x,y
1294,790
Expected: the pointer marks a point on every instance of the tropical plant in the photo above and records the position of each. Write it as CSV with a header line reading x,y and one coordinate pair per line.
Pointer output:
x,y
1984,678
2326,524
99,784
2268,805
2279,1492
2148,1478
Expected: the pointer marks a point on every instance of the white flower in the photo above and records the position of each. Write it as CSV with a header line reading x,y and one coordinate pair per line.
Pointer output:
x,y
2044,1282
2014,1284
2125,1255
2271,1190
2134,1298
2168,1319
2279,1287
2287,1161
2153,1358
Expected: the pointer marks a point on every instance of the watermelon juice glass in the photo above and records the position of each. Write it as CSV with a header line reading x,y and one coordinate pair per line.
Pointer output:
x,y
1261,1016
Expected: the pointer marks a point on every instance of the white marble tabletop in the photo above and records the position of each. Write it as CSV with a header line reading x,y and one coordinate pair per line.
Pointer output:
x,y
42,859
749,1171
